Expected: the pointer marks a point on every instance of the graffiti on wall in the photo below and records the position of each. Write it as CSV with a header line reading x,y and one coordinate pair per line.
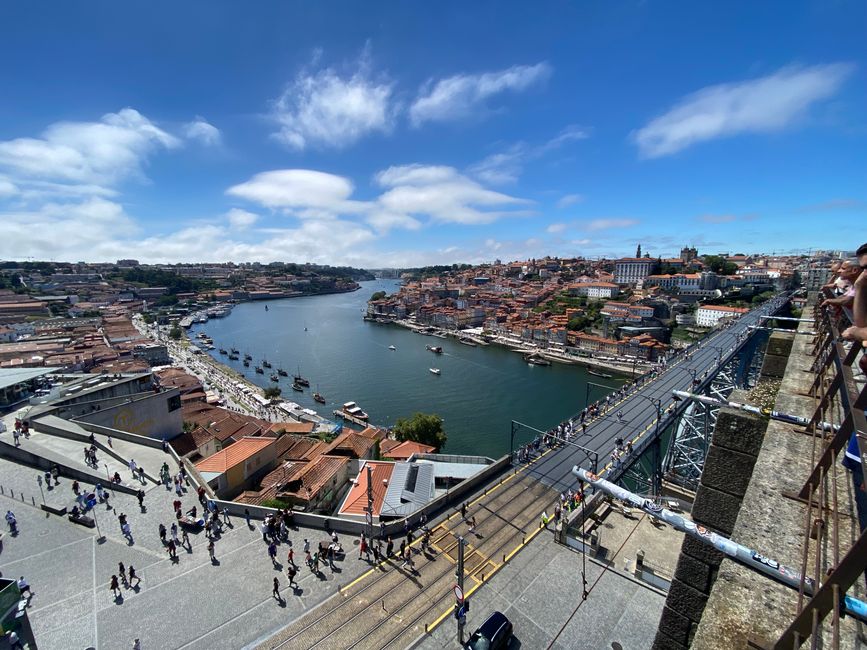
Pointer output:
x,y
125,420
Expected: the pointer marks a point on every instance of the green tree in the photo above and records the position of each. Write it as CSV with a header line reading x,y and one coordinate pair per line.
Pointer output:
x,y
426,428
379,295
175,333
272,392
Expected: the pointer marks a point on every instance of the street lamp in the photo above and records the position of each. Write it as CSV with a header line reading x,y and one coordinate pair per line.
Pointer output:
x,y
656,479
587,392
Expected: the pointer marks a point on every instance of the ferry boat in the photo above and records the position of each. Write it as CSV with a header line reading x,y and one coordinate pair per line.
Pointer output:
x,y
282,372
596,373
435,371
259,370
434,348
352,409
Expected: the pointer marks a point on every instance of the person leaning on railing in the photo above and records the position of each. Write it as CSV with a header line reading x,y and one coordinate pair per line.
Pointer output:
x,y
858,330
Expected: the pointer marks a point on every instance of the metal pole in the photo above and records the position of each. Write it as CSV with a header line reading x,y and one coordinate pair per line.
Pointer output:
x,y
369,504
39,480
460,576
657,453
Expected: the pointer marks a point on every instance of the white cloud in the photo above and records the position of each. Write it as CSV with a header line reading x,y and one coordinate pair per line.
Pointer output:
x,y
98,153
767,104
463,95
241,219
444,195
608,224
324,108
569,199
303,192
204,132
7,188
556,227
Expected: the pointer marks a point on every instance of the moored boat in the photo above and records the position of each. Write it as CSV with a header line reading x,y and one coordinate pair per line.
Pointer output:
x,y
317,397
266,363
259,371
297,387
596,373
282,372
434,348
352,409
435,371
275,377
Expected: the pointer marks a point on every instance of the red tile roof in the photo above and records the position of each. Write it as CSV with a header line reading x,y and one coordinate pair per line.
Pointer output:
x,y
234,454
355,502
406,449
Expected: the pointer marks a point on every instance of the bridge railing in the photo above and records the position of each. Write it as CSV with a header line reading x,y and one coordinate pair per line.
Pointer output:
x,y
834,569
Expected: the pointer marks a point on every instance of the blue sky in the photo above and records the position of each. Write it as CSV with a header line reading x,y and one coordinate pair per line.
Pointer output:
x,y
399,134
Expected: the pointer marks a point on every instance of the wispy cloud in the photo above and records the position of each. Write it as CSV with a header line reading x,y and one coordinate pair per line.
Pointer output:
x,y
326,108
507,166
717,218
556,228
241,219
463,95
569,199
767,104
609,224
835,205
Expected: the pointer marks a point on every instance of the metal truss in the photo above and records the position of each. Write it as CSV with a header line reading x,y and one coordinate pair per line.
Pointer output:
x,y
684,460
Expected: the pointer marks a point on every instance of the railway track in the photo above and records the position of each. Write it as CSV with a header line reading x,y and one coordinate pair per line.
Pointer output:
x,y
383,608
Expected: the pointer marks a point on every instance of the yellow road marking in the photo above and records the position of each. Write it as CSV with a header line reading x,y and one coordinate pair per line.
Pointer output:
x,y
357,580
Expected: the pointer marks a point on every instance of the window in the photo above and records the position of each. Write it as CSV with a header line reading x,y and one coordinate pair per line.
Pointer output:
x,y
174,403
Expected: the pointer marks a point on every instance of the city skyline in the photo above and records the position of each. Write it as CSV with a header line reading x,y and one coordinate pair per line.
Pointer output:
x,y
427,135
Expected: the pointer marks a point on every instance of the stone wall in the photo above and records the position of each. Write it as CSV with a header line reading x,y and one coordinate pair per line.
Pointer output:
x,y
737,442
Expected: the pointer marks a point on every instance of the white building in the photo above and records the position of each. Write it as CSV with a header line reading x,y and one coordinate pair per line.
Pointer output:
x,y
683,281
710,315
594,289
632,270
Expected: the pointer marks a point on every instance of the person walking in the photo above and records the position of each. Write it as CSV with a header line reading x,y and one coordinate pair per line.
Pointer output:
x,y
132,466
472,530
463,510
291,572
211,550
362,549
133,576
115,586
306,545
272,553
247,516
141,476
24,588
121,570
389,548
162,530
276,590
290,556
140,495
172,550
17,437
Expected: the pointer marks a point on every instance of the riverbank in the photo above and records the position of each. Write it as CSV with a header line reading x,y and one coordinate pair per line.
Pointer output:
x,y
523,347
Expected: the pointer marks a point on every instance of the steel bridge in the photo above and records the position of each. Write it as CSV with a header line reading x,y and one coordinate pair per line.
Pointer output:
x,y
649,414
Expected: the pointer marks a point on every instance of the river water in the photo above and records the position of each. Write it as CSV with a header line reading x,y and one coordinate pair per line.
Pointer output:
x,y
480,391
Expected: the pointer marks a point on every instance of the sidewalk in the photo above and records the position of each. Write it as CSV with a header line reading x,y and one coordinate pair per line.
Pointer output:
x,y
539,591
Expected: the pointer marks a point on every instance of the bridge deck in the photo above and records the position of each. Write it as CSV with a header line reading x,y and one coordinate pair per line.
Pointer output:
x,y
639,414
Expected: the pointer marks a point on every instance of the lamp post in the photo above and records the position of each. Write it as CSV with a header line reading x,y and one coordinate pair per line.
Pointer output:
x,y
587,392
656,478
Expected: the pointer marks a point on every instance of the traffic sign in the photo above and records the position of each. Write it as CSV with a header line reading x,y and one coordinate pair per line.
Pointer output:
x,y
459,594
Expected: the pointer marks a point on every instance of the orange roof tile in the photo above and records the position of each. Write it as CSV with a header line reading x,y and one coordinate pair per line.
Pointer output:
x,y
407,448
355,502
234,454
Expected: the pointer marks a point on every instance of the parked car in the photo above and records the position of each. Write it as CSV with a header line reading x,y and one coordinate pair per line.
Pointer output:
x,y
493,634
